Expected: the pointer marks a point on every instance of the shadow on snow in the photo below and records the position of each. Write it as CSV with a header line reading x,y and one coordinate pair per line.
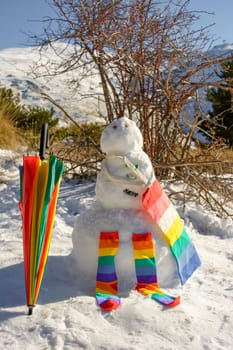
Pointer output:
x,y
57,285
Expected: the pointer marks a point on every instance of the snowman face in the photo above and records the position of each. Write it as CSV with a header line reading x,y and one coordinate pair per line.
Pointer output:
x,y
121,137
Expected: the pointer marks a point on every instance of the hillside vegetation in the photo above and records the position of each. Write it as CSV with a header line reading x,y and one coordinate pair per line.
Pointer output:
x,y
10,136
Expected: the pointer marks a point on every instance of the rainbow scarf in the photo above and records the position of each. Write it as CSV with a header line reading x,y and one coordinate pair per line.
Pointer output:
x,y
170,226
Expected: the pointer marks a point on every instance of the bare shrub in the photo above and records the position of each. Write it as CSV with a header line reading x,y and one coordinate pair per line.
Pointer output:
x,y
154,67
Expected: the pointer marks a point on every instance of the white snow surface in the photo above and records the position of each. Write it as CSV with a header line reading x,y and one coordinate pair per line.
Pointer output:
x,y
67,317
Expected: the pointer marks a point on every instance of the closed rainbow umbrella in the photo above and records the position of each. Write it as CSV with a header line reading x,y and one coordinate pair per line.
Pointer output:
x,y
39,187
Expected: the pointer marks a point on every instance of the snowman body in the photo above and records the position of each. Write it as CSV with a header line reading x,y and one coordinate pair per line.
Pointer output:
x,y
120,183
126,171
125,174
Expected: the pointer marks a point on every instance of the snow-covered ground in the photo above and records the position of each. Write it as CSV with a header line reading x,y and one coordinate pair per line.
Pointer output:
x,y
67,316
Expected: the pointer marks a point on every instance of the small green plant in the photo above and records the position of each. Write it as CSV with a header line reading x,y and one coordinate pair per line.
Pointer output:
x,y
10,106
34,117
83,135
220,122
93,131
31,123
62,133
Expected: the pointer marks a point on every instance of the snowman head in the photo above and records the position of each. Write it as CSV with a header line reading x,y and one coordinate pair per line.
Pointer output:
x,y
121,137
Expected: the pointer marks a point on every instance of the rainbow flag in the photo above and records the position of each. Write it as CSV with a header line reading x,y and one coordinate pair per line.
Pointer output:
x,y
39,186
170,226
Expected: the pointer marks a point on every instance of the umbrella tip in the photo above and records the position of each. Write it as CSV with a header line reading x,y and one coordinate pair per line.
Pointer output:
x,y
30,309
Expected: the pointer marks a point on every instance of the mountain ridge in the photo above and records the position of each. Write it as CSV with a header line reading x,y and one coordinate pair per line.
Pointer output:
x,y
17,73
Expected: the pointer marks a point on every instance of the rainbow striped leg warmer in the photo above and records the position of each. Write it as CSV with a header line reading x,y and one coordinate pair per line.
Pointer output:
x,y
106,278
145,266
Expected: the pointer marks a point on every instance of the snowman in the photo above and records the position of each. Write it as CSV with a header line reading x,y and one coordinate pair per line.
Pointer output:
x,y
114,240
126,171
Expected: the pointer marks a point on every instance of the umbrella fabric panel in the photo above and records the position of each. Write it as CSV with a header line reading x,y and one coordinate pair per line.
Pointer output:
x,y
36,220
30,172
56,168
40,187
47,240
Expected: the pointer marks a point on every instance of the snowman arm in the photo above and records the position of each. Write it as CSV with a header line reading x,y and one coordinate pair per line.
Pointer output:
x,y
136,172
135,180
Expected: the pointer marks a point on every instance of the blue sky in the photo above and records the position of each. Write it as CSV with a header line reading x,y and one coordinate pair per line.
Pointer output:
x,y
18,17
222,18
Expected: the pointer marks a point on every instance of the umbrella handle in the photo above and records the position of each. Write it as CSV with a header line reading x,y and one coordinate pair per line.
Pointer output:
x,y
30,309
44,140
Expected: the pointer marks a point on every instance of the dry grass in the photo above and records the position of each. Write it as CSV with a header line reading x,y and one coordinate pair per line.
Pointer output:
x,y
227,155
10,137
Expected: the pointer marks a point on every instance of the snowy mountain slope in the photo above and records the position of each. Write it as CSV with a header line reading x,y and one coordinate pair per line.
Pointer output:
x,y
222,49
16,72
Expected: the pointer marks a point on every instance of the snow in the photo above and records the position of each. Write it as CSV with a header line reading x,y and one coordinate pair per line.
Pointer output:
x,y
223,49
67,316
17,72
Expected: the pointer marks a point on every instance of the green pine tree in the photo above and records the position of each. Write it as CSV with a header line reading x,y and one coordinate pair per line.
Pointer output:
x,y
220,123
